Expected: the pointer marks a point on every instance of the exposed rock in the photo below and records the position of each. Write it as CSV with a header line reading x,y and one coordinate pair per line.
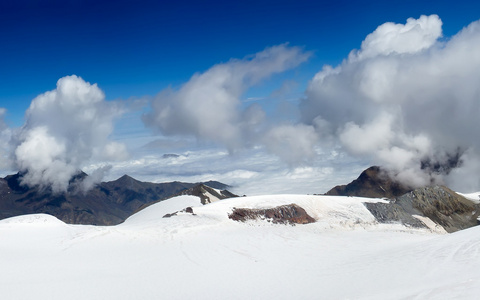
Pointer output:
x,y
438,203
285,214
443,206
186,210
170,215
372,183
393,213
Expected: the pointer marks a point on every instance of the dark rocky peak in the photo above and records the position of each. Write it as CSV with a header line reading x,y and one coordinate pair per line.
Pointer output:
x,y
126,180
372,183
14,183
79,176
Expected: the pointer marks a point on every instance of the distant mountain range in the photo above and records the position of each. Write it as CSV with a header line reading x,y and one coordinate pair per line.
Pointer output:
x,y
108,203
111,203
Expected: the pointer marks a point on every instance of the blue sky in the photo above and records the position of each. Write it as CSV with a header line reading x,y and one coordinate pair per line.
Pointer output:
x,y
134,50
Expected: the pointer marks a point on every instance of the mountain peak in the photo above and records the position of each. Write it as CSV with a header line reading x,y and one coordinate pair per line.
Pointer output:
x,y
126,180
372,183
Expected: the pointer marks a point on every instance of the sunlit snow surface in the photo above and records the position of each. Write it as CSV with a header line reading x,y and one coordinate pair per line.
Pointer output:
x,y
344,255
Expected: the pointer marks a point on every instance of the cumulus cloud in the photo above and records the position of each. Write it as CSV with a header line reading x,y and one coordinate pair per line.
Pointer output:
x,y
64,129
411,37
208,106
405,100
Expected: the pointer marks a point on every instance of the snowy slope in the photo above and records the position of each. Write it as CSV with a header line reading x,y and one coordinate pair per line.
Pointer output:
x,y
346,254
475,197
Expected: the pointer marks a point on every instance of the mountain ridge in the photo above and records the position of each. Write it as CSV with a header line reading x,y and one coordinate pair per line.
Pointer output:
x,y
107,203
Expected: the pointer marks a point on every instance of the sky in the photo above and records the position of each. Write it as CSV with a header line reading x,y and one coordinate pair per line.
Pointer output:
x,y
267,96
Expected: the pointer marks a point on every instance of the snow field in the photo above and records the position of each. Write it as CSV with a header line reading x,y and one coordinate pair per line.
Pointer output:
x,y
345,255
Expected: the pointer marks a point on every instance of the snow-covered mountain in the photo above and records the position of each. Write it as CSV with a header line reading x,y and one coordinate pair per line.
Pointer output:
x,y
203,254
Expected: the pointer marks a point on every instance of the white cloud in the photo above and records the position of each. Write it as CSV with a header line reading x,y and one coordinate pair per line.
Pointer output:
x,y
403,99
208,105
96,176
65,128
368,137
43,158
411,37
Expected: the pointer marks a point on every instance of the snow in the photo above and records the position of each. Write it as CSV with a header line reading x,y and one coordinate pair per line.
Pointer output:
x,y
346,254
211,197
475,197
430,224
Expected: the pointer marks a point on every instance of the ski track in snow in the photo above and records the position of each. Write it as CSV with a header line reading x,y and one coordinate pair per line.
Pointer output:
x,y
346,254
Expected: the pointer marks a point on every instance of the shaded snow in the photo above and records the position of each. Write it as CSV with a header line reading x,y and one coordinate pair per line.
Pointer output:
x,y
475,197
346,254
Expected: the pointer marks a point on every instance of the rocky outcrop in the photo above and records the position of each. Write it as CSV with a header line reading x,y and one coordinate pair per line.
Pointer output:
x,y
443,206
372,183
186,210
285,214
393,213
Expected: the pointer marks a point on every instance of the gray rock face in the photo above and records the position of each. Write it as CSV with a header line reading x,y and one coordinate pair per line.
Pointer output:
x,y
442,205
393,213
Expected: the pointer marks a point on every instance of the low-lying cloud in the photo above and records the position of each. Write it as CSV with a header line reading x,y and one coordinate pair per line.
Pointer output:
x,y
64,129
405,98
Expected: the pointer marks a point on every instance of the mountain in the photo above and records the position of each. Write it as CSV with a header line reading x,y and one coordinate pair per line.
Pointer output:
x,y
438,204
108,203
372,183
